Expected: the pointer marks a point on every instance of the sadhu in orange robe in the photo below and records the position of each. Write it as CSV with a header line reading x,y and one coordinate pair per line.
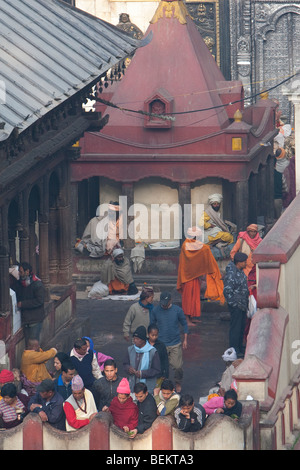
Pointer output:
x,y
197,260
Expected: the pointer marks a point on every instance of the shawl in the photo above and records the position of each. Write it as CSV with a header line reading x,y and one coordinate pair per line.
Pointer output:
x,y
216,219
124,414
196,263
122,272
145,361
252,242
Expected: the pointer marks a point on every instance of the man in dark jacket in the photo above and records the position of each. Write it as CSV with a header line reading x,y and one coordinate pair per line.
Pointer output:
x,y
48,404
236,294
189,417
147,409
105,388
30,294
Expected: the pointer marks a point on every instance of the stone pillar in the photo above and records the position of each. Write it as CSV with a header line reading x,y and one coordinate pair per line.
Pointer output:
x,y
44,257
184,200
270,190
162,436
99,430
24,229
32,247
253,198
242,201
262,193
126,202
53,248
64,224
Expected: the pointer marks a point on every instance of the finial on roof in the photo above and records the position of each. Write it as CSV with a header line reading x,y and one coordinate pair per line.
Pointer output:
x,y
264,95
171,9
238,116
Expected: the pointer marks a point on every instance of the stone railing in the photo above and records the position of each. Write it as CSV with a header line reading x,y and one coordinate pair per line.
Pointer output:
x,y
270,372
219,433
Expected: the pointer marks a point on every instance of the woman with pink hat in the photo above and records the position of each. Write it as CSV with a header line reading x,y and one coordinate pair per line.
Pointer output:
x,y
124,411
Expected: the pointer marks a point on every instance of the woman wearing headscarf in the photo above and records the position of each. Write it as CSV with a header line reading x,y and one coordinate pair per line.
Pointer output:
x,y
246,243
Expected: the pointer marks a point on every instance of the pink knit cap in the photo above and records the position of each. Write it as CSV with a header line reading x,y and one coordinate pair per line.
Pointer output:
x,y
77,383
123,387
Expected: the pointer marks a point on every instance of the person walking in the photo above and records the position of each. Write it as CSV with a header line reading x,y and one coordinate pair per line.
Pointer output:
x,y
236,293
169,318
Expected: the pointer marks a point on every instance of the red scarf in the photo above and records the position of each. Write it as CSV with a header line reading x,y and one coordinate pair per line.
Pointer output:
x,y
252,242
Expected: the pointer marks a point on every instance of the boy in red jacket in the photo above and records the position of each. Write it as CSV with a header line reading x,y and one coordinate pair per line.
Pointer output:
x,y
124,411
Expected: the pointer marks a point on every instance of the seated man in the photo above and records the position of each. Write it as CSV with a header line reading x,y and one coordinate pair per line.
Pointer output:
x,y
95,239
48,404
117,274
216,230
80,407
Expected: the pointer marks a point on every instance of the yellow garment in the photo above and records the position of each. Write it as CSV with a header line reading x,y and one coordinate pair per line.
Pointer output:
x,y
33,364
225,237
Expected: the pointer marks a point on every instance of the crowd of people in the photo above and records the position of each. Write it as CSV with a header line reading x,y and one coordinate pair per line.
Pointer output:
x,y
84,382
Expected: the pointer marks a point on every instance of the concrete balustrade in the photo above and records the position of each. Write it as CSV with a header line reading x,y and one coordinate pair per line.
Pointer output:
x,y
220,432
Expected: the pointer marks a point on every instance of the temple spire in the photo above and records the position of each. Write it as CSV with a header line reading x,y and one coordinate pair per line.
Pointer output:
x,y
171,9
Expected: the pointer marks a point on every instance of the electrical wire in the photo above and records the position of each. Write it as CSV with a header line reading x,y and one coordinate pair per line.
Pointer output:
x,y
171,115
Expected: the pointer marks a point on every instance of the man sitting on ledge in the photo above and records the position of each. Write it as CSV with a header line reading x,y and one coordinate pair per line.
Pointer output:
x,y
117,274
216,230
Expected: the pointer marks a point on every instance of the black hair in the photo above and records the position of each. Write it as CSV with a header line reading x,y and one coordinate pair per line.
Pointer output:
x,y
26,266
110,362
167,385
9,390
140,387
152,326
67,365
79,343
186,400
231,393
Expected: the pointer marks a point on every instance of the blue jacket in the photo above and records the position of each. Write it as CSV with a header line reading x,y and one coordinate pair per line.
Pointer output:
x,y
53,409
64,390
236,290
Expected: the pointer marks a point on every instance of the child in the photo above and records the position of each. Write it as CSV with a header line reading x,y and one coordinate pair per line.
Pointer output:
x,y
162,352
227,405
124,411
166,398
189,417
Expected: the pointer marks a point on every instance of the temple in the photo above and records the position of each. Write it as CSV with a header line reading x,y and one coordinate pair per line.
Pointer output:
x,y
211,143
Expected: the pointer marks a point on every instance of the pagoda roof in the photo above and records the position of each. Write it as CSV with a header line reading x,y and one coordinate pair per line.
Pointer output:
x,y
177,68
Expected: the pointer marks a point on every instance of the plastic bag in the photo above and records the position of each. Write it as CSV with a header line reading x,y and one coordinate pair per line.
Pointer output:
x,y
98,291
252,306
